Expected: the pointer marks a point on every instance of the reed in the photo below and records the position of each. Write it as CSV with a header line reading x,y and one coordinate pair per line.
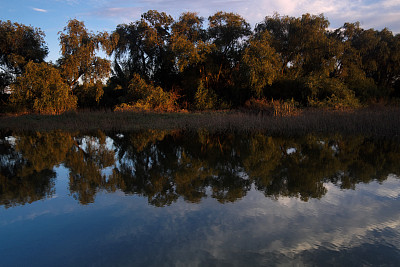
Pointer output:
x,y
277,108
368,121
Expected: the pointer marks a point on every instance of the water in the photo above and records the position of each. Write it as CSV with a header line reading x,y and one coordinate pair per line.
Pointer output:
x,y
160,198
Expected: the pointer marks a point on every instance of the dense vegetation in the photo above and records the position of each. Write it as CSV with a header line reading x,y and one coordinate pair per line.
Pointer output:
x,y
158,63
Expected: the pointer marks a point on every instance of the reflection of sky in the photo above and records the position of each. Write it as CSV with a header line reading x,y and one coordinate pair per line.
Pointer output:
x,y
119,229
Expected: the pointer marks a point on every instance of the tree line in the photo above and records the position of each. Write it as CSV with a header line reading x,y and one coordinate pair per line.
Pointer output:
x,y
162,64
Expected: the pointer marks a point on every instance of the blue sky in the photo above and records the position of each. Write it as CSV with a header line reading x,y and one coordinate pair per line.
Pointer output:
x,y
104,15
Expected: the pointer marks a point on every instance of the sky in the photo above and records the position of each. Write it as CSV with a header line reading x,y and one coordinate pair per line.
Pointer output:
x,y
51,16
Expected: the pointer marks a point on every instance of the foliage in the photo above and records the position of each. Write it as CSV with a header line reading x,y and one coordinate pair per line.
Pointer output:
x,y
79,62
329,92
228,32
214,62
89,94
232,63
41,89
262,63
143,96
142,48
19,44
189,42
205,98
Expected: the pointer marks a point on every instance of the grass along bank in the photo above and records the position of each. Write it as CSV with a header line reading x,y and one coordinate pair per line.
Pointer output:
x,y
383,121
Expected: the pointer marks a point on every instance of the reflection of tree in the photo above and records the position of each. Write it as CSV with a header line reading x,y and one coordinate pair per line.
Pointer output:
x,y
313,161
43,150
222,153
144,164
303,171
164,166
86,160
181,165
263,157
364,159
20,190
27,168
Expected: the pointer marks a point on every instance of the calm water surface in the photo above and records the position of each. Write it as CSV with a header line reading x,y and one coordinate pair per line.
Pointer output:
x,y
160,198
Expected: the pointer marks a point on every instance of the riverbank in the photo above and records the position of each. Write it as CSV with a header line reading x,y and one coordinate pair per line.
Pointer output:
x,y
383,121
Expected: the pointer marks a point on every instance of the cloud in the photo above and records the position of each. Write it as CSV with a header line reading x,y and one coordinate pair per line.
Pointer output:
x,y
69,2
390,3
371,14
259,227
39,10
116,14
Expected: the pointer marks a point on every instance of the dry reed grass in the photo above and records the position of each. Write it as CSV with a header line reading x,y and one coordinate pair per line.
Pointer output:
x,y
369,121
277,108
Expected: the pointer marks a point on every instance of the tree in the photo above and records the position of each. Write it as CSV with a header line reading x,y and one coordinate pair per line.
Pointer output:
x,y
143,49
323,91
157,36
349,66
313,60
303,43
41,89
191,49
262,62
380,54
189,40
79,62
19,44
228,32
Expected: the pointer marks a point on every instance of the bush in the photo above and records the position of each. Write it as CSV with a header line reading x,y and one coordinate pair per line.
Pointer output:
x,y
205,98
146,97
329,93
41,89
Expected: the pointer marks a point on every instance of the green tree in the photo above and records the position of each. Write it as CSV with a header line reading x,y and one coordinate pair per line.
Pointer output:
x,y
188,40
228,33
191,48
323,91
79,63
262,63
303,43
349,66
19,44
379,51
144,96
205,98
143,49
41,89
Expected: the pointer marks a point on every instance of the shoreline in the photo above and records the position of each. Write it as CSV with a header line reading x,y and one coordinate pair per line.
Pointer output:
x,y
380,121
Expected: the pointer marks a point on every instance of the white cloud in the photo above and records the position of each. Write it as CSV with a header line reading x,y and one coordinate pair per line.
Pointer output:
x,y
40,10
391,3
69,2
371,14
118,14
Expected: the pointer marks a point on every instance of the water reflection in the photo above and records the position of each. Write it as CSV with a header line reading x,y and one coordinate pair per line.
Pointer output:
x,y
164,166
288,201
